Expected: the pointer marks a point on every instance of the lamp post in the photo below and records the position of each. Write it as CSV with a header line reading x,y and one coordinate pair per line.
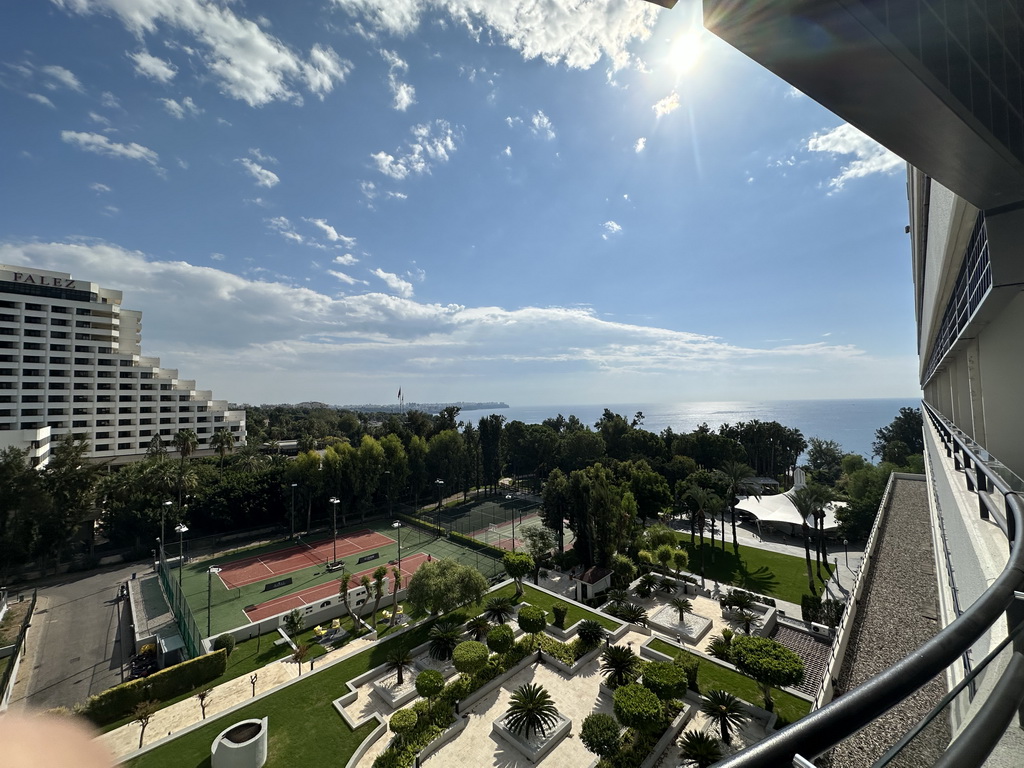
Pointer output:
x,y
209,596
181,529
163,535
398,527
512,511
846,549
440,486
293,509
334,503
387,472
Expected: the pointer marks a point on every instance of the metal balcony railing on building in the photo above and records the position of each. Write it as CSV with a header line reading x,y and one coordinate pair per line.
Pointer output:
x,y
997,490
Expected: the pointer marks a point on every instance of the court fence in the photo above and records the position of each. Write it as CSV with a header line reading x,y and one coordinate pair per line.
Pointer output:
x,y
183,618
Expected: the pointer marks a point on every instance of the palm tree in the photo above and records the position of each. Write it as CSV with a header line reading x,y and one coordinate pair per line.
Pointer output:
x,y
590,632
531,710
444,636
293,623
367,585
299,654
222,442
479,626
620,665
806,502
703,499
699,749
397,576
646,586
399,660
379,574
740,479
617,597
720,646
185,443
725,711
499,609
343,587
748,620
631,612
667,585
683,606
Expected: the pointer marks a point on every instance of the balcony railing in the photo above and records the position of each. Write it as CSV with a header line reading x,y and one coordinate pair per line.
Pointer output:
x,y
823,729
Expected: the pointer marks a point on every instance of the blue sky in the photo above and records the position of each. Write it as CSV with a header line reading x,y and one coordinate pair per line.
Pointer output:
x,y
523,201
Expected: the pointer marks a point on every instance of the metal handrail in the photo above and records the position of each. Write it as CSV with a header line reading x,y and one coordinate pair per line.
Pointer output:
x,y
843,717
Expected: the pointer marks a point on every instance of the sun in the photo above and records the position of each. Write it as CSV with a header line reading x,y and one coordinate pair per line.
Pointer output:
x,y
685,53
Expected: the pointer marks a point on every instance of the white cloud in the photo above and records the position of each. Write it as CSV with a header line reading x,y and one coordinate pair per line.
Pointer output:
x,y
100,119
101,145
402,287
38,97
241,335
247,63
109,100
575,34
348,279
345,259
264,178
153,67
610,228
179,110
666,105
97,187
640,145
283,226
217,256
369,189
541,125
396,195
870,156
59,76
431,144
507,151
332,234
263,158
403,93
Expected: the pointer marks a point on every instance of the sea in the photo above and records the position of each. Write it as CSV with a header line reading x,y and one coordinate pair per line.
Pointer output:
x,y
851,423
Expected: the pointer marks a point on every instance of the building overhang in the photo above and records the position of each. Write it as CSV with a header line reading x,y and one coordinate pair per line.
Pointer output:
x,y
843,56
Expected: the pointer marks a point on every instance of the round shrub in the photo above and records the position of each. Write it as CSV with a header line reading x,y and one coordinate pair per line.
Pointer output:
x,y
532,619
429,683
638,707
225,641
501,638
403,722
665,679
470,657
600,734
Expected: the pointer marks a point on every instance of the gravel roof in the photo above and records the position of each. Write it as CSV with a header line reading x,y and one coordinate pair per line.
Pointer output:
x,y
897,615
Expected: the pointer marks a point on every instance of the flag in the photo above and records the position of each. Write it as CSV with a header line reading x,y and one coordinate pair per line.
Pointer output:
x,y
399,393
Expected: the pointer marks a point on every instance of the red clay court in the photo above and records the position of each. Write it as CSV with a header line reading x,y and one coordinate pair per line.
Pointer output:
x,y
325,591
251,570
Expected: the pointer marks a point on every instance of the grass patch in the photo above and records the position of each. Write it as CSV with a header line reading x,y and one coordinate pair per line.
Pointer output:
x,y
545,601
753,569
711,676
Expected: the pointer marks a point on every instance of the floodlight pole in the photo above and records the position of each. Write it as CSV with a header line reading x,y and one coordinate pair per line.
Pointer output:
x,y
846,549
293,509
334,503
181,529
209,597
398,527
163,535
440,486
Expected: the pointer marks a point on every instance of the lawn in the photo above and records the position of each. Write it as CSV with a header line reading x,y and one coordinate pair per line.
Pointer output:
x,y
753,569
545,601
713,676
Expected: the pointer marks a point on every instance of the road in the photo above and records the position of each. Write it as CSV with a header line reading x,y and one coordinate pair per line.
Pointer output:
x,y
74,644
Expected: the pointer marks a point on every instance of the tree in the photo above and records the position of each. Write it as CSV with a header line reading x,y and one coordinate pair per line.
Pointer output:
x,y
470,657
725,710
203,696
293,622
499,609
619,665
538,540
747,620
444,585
429,683
344,585
638,707
666,679
740,480
590,633
479,626
185,443
396,577
699,749
142,714
906,428
398,661
824,461
631,613
300,653
500,639
379,574
403,722
532,620
600,734
683,606
768,663
720,646
223,443
517,565
443,638
806,502
530,710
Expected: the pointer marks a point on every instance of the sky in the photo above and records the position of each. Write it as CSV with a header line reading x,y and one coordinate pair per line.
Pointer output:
x,y
533,201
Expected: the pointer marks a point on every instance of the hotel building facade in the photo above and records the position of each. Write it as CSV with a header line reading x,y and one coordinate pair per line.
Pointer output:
x,y
71,363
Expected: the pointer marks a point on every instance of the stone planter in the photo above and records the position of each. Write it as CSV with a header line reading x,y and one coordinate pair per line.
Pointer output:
x,y
537,746
242,745
396,695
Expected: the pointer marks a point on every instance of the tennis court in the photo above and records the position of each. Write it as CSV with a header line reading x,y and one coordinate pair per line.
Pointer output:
x,y
325,591
251,570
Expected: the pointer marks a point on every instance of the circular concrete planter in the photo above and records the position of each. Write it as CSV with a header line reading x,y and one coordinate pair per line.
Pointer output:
x,y
242,745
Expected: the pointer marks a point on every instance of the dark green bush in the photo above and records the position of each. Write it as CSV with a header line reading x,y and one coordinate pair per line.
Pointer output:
x,y
118,702
638,707
225,641
501,638
666,679
559,610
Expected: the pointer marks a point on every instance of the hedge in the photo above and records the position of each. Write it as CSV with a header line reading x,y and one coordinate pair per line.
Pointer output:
x,y
480,546
118,702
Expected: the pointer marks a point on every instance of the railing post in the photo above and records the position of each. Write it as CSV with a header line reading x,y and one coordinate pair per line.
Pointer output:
x,y
957,464
1015,611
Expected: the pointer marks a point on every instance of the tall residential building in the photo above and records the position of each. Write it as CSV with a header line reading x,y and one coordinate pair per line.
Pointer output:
x,y
71,363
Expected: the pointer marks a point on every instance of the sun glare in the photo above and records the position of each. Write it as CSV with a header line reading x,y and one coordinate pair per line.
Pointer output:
x,y
685,52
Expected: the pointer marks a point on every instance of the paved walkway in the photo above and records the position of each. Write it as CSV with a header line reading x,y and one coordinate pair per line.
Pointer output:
x,y
174,718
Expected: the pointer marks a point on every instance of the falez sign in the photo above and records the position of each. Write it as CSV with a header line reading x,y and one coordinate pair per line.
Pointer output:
x,y
53,282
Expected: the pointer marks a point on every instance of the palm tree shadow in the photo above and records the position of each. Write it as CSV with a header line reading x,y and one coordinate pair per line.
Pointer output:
x,y
761,580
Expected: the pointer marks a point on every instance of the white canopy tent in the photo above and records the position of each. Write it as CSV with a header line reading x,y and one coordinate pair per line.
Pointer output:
x,y
780,510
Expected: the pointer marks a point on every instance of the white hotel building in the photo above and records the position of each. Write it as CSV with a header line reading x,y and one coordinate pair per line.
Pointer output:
x,y
71,363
